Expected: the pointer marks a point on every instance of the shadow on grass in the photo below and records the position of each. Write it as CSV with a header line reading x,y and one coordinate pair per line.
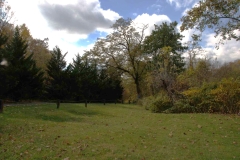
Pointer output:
x,y
67,115
58,118
83,112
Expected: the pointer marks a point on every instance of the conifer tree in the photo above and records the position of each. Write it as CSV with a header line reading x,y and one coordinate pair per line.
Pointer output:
x,y
22,80
58,76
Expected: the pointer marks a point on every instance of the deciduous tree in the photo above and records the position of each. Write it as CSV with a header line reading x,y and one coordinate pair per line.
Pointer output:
x,y
37,47
222,16
123,50
165,47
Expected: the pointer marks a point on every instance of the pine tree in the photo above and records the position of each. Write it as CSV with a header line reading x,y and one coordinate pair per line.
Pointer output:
x,y
86,76
58,76
23,80
3,63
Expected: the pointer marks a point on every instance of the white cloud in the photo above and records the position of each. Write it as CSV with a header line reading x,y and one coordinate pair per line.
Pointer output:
x,y
227,52
64,22
181,3
82,18
150,20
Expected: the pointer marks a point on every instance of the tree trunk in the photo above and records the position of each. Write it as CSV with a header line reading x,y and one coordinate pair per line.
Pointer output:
x,y
1,106
139,91
58,104
168,90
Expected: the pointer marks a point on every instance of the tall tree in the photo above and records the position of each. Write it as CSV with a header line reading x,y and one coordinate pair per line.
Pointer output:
x,y
165,47
222,16
58,80
3,65
166,35
123,51
23,80
110,85
194,49
85,79
38,47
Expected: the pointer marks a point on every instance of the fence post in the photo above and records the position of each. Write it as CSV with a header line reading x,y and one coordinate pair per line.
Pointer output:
x,y
104,102
86,103
1,106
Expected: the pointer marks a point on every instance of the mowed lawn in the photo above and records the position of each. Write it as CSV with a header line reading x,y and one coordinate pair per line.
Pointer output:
x,y
112,132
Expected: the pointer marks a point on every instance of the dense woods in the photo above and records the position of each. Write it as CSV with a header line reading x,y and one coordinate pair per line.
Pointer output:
x,y
150,70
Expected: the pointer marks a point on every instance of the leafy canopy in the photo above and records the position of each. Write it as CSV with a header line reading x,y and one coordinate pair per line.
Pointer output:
x,y
222,16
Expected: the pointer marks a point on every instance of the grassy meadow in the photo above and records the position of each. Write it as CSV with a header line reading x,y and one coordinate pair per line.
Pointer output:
x,y
112,132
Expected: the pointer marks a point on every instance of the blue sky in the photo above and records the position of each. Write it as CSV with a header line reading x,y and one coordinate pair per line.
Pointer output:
x,y
74,25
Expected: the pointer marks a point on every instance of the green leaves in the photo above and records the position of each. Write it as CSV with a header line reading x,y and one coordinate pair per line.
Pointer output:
x,y
223,16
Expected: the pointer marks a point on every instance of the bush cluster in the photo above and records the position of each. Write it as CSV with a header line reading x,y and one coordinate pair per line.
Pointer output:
x,y
157,104
220,97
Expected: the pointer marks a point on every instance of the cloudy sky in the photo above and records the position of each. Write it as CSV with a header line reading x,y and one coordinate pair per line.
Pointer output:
x,y
74,25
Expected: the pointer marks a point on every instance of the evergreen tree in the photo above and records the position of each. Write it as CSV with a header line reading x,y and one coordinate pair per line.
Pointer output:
x,y
22,80
91,82
3,65
85,79
78,70
166,35
58,76
110,85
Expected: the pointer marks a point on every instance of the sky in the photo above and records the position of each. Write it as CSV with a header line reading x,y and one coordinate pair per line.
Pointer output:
x,y
74,25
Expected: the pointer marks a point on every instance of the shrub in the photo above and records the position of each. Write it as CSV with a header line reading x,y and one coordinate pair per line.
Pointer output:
x,y
157,104
181,106
200,98
160,104
146,102
226,96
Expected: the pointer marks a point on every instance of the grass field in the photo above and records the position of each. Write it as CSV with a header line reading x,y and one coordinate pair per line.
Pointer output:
x,y
115,132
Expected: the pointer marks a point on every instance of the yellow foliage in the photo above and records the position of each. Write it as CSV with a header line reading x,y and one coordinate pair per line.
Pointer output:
x,y
192,92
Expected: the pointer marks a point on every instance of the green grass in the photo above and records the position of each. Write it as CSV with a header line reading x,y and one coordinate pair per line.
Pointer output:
x,y
115,132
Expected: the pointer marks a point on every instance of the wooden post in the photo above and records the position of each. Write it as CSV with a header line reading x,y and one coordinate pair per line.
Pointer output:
x,y
1,106
104,102
58,104
122,101
129,101
115,101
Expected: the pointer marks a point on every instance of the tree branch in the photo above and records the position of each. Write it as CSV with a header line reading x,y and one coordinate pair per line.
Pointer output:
x,y
231,18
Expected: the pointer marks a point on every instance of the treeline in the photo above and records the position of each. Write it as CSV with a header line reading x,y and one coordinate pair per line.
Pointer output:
x,y
157,76
53,78
126,64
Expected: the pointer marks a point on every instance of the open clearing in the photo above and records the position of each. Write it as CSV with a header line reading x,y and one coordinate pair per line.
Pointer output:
x,y
115,132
